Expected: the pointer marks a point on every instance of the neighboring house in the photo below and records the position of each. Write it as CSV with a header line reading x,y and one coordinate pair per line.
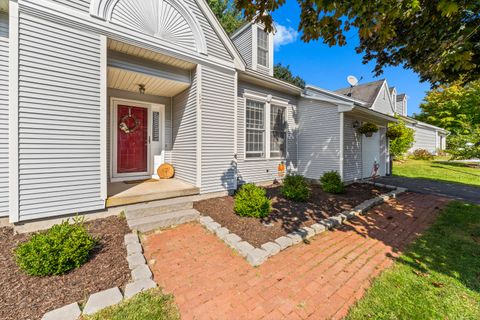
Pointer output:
x,y
96,94
379,97
428,137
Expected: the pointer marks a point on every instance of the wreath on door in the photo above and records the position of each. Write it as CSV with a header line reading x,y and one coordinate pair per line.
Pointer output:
x,y
124,123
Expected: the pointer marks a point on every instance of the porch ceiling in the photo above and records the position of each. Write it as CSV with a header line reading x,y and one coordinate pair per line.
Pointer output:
x,y
161,75
129,81
125,48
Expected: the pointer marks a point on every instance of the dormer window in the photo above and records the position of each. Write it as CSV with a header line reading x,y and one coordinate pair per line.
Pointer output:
x,y
262,47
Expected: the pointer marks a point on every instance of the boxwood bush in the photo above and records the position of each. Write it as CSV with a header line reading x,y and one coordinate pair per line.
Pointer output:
x,y
60,249
296,188
332,183
422,154
252,201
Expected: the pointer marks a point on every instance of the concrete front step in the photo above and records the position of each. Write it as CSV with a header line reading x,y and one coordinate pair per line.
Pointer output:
x,y
164,220
160,207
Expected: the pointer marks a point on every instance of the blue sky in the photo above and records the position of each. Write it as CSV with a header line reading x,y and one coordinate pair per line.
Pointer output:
x,y
328,67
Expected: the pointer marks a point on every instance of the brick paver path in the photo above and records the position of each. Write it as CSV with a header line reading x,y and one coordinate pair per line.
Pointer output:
x,y
320,280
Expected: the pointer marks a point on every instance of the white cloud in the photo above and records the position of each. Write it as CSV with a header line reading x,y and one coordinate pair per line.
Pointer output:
x,y
284,36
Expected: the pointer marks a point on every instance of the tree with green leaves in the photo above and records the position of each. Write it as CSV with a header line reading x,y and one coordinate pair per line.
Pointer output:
x,y
229,16
401,138
284,73
455,107
438,39
465,146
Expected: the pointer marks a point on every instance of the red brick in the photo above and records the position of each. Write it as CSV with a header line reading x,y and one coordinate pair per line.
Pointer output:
x,y
316,281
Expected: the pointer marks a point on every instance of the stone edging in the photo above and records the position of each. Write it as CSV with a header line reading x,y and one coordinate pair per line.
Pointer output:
x,y
141,280
257,256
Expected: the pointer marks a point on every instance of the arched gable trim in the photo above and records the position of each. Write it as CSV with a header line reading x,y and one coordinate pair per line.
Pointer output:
x,y
103,9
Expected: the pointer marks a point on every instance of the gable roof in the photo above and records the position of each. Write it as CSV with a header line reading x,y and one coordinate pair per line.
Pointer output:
x,y
366,92
401,96
311,89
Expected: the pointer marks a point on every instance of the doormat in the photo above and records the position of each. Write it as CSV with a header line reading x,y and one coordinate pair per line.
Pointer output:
x,y
140,181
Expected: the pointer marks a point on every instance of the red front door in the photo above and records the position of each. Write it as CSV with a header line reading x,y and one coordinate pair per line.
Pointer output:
x,y
132,138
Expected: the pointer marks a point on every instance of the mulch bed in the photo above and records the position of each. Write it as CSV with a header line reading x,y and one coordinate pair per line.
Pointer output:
x,y
27,297
287,215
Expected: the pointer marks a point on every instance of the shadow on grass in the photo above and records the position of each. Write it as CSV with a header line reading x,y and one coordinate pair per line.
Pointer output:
x,y
451,246
455,170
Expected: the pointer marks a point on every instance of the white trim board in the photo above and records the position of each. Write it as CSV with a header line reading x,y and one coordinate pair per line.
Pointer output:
x,y
13,187
199,128
103,118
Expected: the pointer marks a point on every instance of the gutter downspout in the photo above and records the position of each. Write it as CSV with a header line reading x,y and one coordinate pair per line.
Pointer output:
x,y
342,120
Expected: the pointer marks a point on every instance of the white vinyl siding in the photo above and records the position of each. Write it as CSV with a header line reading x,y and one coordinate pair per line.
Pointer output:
x,y
352,151
59,120
216,48
400,108
4,114
217,134
262,47
243,42
83,5
425,138
383,103
255,129
318,138
260,170
218,112
184,133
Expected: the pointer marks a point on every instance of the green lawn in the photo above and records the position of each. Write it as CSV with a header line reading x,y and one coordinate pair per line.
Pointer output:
x,y
438,170
152,304
438,276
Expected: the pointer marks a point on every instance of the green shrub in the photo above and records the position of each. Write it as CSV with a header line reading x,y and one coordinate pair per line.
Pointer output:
x,y
60,249
422,154
252,201
296,188
401,138
332,183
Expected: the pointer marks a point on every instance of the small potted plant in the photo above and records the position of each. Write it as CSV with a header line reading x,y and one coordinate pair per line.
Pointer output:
x,y
368,129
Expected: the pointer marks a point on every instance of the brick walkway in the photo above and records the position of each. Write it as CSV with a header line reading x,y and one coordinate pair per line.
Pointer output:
x,y
320,280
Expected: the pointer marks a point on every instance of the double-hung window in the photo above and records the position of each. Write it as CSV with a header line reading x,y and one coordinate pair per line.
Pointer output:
x,y
262,47
255,129
277,132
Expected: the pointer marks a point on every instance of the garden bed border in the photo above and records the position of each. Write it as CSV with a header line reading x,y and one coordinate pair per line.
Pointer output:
x,y
141,281
257,256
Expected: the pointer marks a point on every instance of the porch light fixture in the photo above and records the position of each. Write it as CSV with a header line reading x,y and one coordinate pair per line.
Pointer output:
x,y
356,124
141,88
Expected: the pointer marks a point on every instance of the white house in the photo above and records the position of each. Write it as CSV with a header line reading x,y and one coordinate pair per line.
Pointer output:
x,y
96,94
378,96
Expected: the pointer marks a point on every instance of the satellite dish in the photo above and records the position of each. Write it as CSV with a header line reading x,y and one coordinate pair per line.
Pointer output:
x,y
352,80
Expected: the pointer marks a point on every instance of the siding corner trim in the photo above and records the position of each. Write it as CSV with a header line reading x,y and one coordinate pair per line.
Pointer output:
x,y
13,114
